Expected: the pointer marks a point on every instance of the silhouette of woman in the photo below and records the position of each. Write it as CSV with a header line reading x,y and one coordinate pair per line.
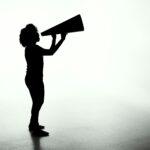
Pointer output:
x,y
29,36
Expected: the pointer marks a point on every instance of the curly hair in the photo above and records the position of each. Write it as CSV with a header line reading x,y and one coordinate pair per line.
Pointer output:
x,y
29,35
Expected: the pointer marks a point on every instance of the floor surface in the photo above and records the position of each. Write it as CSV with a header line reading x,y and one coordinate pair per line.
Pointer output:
x,y
101,125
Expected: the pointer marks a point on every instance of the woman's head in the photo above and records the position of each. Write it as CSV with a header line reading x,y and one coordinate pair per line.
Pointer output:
x,y
29,35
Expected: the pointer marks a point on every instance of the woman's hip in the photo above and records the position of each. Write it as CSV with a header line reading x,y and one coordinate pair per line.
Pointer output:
x,y
33,81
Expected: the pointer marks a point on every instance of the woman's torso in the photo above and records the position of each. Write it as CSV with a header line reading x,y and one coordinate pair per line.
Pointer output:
x,y
34,61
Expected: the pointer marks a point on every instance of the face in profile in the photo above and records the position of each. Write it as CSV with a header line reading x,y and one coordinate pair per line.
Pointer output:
x,y
29,35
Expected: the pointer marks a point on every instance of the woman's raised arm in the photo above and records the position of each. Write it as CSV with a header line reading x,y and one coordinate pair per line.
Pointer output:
x,y
54,47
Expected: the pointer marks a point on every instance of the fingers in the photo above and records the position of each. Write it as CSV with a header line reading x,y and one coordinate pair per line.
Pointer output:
x,y
54,36
63,35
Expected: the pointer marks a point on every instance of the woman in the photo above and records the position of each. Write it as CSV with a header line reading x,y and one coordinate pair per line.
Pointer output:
x,y
29,36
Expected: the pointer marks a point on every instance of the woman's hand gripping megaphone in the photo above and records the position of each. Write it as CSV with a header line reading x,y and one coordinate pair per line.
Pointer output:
x,y
63,36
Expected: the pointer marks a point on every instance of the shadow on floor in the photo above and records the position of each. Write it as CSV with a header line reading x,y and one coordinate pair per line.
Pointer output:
x,y
36,143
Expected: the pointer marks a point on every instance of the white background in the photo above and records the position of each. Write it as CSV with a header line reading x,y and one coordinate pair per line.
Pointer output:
x,y
108,62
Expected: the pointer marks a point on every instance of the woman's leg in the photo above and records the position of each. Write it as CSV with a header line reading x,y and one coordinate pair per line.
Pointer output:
x,y
36,90
37,95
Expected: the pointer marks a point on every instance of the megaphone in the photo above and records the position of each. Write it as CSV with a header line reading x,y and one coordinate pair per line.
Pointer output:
x,y
73,24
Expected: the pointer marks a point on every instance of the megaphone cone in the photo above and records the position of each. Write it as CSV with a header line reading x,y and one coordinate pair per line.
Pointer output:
x,y
74,24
